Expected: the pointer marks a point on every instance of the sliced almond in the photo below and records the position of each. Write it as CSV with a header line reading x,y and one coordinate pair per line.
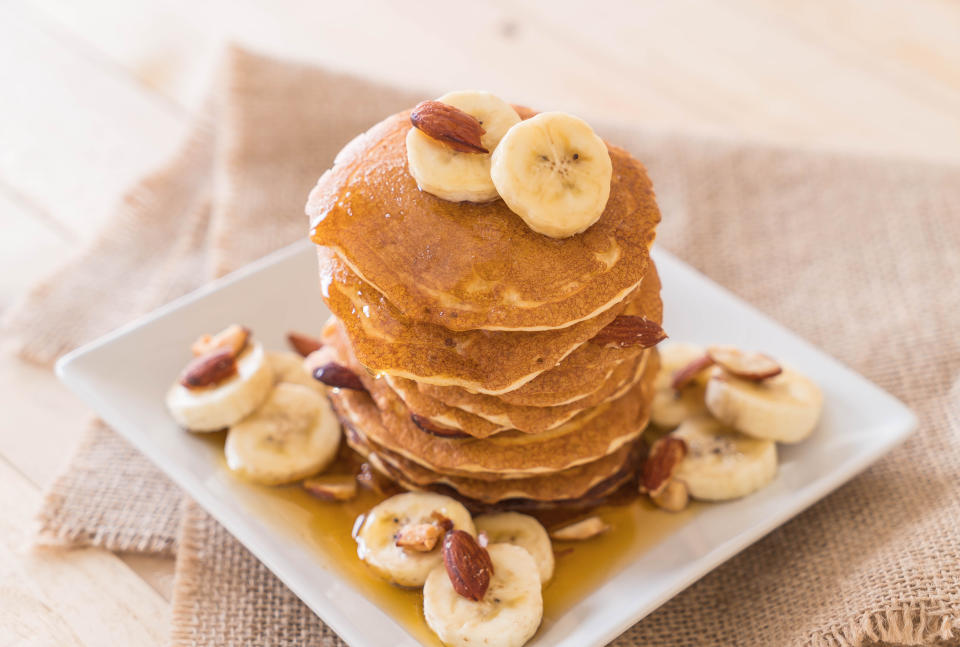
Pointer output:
x,y
743,364
581,530
210,369
332,488
452,126
468,565
689,373
664,458
443,523
338,376
674,497
234,337
427,425
303,344
419,537
630,330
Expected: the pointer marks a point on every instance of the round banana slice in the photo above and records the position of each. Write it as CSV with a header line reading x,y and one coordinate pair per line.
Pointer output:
x,y
455,176
294,434
289,367
554,172
671,407
216,407
784,408
409,513
722,464
507,616
523,531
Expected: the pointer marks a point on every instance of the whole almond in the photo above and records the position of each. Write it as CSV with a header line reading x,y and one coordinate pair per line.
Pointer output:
x,y
743,364
452,126
338,376
303,344
665,456
630,330
234,337
468,565
209,369
688,373
427,425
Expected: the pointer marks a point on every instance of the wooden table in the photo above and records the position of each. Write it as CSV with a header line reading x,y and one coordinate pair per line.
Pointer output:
x,y
94,93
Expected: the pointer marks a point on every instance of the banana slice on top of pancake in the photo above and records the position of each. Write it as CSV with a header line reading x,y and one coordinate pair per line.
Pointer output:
x,y
520,530
554,172
460,175
294,434
400,538
506,614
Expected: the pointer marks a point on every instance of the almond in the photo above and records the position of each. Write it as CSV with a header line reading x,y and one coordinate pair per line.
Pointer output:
x,y
581,530
665,456
419,537
332,488
674,497
468,565
442,522
209,369
427,425
452,126
338,376
303,344
234,337
630,330
746,365
688,373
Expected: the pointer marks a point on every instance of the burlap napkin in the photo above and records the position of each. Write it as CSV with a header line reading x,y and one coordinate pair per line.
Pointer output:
x,y
859,255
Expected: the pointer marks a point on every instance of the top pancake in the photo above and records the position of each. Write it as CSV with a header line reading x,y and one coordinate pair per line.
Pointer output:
x,y
470,266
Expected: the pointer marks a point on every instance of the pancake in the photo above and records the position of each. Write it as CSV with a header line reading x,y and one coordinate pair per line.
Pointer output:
x,y
491,362
589,436
577,376
566,484
531,420
466,266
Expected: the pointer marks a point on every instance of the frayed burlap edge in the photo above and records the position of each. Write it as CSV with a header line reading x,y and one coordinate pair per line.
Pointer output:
x,y
912,624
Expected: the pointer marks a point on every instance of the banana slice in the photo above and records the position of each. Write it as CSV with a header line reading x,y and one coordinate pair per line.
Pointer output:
x,y
523,531
722,464
456,176
412,512
289,367
554,172
507,616
784,408
294,434
671,407
216,407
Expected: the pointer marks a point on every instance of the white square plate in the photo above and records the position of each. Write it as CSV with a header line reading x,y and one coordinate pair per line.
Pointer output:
x,y
125,375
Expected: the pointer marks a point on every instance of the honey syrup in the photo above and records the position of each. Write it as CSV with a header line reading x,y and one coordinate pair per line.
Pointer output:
x,y
581,566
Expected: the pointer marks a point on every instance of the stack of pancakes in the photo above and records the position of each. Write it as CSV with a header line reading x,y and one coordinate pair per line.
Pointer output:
x,y
474,336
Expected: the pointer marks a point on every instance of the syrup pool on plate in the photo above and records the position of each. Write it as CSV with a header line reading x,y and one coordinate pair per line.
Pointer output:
x,y
581,566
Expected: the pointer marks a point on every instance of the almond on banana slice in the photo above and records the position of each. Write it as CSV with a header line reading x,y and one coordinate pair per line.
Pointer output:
x,y
674,497
338,376
234,338
687,374
331,488
468,565
210,369
581,530
454,127
421,537
630,330
743,364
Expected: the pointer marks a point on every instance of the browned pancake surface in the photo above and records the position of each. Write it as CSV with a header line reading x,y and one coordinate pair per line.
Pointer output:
x,y
465,266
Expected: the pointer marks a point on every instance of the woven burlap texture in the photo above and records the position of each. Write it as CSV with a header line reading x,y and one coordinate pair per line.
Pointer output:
x,y
860,256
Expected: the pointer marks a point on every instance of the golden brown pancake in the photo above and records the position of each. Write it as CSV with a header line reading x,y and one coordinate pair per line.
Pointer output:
x,y
589,436
577,376
490,362
566,484
527,419
466,266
